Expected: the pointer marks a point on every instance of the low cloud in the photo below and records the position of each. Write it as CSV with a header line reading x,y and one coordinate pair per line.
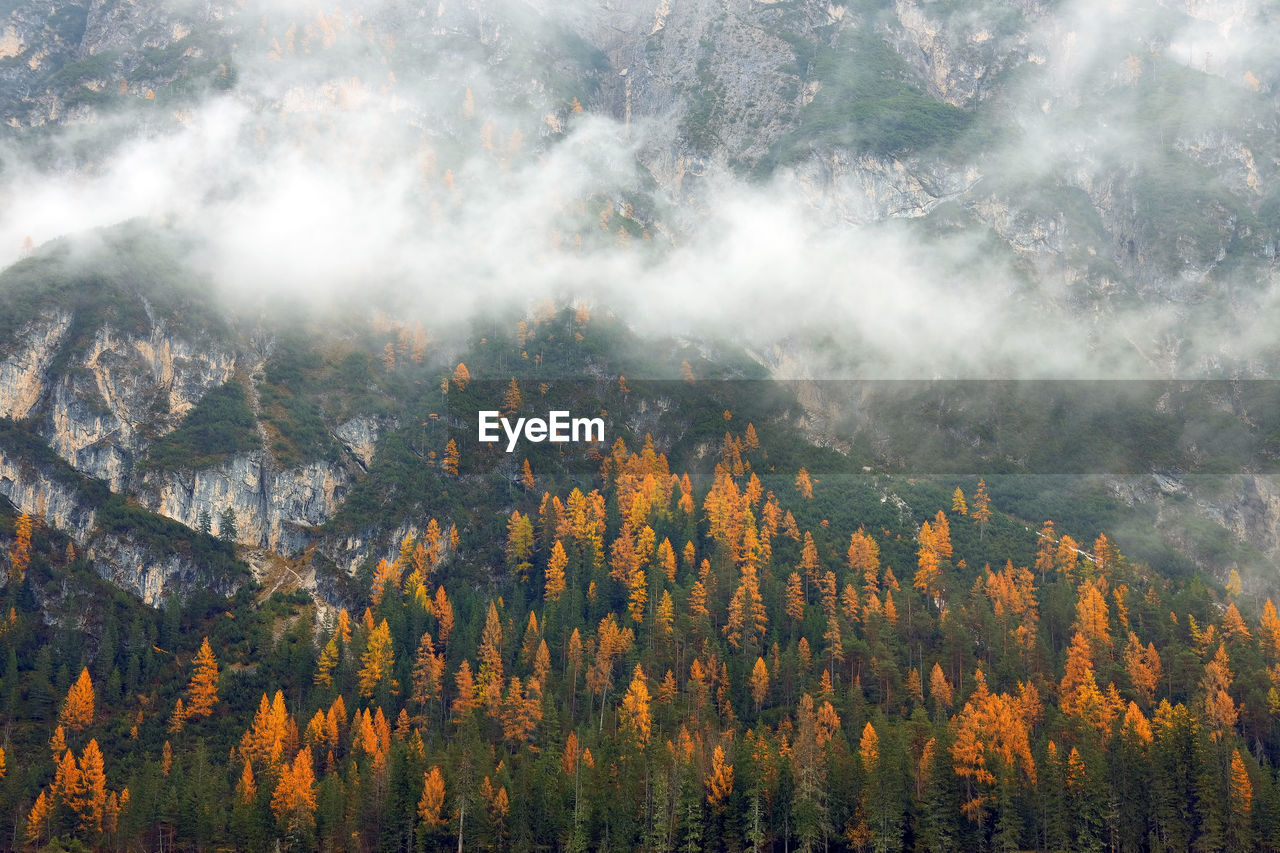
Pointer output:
x,y
324,175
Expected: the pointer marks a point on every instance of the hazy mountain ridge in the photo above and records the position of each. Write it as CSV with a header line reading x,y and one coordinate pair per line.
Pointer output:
x,y
1117,172
895,189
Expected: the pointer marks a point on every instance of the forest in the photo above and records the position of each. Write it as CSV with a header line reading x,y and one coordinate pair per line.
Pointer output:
x,y
658,664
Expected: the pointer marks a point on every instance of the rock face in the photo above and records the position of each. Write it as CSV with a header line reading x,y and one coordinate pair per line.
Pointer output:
x,y
275,509
84,401
137,568
38,489
23,374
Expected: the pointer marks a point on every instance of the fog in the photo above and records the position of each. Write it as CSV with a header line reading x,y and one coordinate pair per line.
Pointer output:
x,y
377,150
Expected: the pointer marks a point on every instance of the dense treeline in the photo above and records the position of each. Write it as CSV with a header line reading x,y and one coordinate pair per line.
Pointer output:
x,y
664,667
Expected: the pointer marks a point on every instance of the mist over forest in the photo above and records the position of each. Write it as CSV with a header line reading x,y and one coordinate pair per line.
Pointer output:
x,y
933,345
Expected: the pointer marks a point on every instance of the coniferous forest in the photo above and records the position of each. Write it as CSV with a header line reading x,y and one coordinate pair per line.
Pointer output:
x,y
934,347
634,657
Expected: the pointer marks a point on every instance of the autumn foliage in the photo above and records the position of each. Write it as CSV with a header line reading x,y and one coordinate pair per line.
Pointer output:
x,y
657,660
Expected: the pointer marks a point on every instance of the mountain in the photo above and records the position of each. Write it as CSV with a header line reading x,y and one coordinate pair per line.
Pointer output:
x,y
863,294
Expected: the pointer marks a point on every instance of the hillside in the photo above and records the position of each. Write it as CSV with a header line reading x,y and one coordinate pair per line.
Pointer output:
x,y
937,505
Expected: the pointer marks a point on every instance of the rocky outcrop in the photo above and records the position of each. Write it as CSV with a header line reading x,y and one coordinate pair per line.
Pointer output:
x,y
274,509
852,188
152,577
40,490
23,374
359,436
957,57
122,392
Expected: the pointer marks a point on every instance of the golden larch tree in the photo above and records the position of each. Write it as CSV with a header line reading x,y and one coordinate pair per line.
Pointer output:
x,y
804,484
928,577
1241,788
428,673
759,682
443,609
78,708
294,800
328,660
512,399
451,458
38,818
939,688
634,717
981,509
20,552
202,692
555,578
864,559
664,618
490,678
377,660
720,781
89,800
869,747
1143,666
794,602
465,687
1220,710
431,803
385,577
747,616
247,786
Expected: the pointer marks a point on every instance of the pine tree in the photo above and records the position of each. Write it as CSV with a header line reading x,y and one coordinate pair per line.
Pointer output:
x,y
227,531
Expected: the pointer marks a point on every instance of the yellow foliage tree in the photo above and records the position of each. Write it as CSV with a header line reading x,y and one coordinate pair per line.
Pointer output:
x,y
634,716
720,782
78,708
431,803
294,800
202,692
377,660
